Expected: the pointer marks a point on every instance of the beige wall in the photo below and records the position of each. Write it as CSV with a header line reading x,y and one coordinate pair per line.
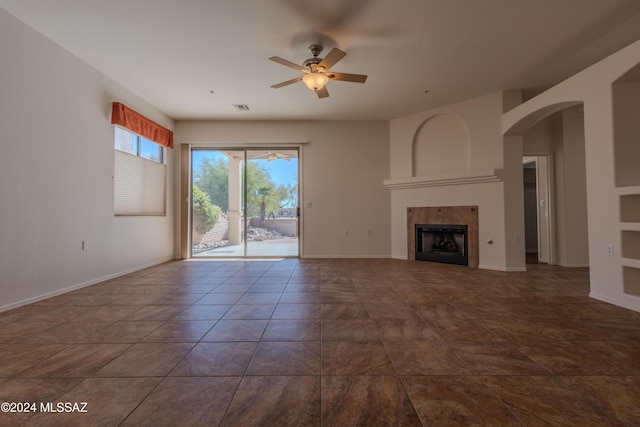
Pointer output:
x,y
56,168
486,153
343,167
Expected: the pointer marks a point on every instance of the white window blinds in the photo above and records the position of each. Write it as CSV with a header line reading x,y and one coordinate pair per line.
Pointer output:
x,y
139,185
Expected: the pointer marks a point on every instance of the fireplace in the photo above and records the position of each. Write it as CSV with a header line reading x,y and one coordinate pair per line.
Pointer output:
x,y
445,243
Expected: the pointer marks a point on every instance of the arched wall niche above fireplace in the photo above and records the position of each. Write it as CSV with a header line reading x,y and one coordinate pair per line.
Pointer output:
x,y
441,144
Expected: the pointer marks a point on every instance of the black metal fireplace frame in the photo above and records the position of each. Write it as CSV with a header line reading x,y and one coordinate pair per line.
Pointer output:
x,y
456,259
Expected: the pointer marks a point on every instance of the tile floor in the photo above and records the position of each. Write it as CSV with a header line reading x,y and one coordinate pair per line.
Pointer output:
x,y
325,342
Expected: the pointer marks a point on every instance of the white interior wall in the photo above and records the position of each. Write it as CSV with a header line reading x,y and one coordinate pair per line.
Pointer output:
x,y
343,167
593,87
56,168
572,228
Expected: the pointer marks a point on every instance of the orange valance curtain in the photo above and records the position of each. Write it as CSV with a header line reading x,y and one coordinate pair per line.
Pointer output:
x,y
124,116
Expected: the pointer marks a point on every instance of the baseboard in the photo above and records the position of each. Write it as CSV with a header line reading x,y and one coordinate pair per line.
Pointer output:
x,y
346,257
574,265
77,286
619,302
491,267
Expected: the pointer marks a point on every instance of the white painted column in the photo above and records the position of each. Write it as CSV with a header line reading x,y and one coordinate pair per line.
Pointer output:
x,y
235,201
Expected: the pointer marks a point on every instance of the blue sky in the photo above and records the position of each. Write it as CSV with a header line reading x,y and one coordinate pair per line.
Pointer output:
x,y
282,171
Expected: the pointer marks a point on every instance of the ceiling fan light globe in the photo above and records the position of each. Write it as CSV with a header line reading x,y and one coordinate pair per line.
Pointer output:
x,y
315,81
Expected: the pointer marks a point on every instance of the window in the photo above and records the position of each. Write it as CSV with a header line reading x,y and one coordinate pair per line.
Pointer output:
x,y
138,146
139,175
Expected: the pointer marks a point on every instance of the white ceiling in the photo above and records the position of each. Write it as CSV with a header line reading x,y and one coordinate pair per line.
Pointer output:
x,y
174,54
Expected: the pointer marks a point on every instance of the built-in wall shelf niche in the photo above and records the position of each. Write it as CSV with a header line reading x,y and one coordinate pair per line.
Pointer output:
x,y
631,277
631,244
630,208
626,144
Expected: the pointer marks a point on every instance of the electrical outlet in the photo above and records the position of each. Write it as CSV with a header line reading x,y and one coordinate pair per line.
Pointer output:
x,y
370,232
609,250
85,245
346,232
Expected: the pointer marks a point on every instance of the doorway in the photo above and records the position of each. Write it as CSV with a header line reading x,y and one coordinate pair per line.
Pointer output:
x,y
244,202
537,209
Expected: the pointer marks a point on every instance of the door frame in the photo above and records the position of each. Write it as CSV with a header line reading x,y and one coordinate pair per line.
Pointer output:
x,y
545,200
185,210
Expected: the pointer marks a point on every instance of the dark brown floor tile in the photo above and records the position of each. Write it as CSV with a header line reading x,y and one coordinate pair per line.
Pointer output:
x,y
355,358
292,330
216,359
185,402
344,311
406,330
426,358
336,297
124,332
549,400
109,402
236,330
60,314
300,298
231,288
134,299
275,401
156,312
220,298
250,311
457,401
32,391
109,313
18,357
438,311
497,358
260,298
366,401
468,343
15,332
203,312
391,310
301,287
65,333
264,288
296,311
617,395
286,358
146,360
180,299
583,358
180,331
349,330
76,361
463,330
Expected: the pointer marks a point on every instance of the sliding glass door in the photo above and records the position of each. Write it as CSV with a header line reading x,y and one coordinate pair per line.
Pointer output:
x,y
244,202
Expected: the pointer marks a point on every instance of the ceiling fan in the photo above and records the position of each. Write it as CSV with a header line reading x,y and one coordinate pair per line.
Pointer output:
x,y
316,71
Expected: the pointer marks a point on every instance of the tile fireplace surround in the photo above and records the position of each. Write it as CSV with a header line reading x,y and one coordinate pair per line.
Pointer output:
x,y
457,215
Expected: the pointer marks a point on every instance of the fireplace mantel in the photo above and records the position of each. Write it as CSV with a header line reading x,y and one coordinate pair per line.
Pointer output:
x,y
475,177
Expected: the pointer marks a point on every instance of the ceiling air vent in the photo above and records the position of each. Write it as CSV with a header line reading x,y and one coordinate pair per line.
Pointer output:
x,y
241,107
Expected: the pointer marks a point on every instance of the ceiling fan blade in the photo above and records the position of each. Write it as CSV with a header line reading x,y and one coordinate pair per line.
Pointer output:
x,y
330,60
288,82
287,63
322,93
346,77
